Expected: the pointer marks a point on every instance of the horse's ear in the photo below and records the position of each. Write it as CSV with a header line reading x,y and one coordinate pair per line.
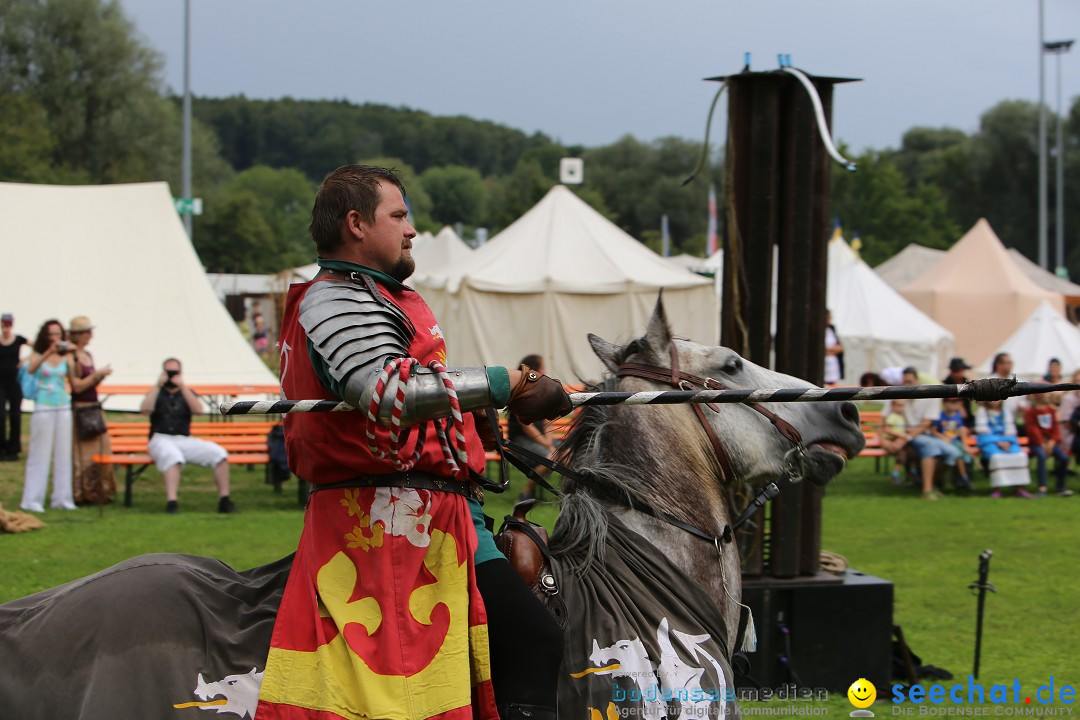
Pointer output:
x,y
658,334
607,352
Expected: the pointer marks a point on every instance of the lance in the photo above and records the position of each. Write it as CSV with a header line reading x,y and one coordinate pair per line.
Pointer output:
x,y
982,586
985,389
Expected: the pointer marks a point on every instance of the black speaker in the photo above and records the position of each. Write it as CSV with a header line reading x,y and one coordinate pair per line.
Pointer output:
x,y
824,631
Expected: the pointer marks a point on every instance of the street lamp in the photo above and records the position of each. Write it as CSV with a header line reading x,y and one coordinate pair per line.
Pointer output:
x,y
1059,48
185,160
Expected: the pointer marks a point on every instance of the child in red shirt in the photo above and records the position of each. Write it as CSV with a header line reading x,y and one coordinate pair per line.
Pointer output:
x,y
1044,438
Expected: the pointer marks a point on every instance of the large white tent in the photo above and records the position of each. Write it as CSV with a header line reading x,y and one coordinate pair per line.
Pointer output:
x,y
978,293
436,254
877,326
119,254
560,271
1044,335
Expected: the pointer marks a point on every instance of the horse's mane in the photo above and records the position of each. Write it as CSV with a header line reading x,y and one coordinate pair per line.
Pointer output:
x,y
583,519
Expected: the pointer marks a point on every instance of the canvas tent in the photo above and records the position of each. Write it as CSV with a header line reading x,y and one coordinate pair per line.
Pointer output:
x,y
877,327
1044,335
1044,278
560,271
908,264
978,293
435,255
119,254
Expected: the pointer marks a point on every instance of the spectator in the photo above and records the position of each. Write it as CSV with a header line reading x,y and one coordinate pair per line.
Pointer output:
x,y
894,436
1067,424
260,338
1044,439
93,483
995,434
951,426
170,405
50,427
10,393
532,437
956,376
1053,371
920,414
834,353
1002,367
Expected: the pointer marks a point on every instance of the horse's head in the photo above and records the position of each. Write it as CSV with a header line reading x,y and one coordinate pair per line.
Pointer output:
x,y
756,448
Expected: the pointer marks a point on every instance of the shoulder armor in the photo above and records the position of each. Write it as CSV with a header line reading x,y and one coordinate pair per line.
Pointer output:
x,y
352,329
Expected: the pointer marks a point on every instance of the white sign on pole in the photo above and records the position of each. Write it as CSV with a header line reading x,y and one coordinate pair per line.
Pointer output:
x,y
572,171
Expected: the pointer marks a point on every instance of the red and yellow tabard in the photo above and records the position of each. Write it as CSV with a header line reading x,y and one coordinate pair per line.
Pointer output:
x,y
381,617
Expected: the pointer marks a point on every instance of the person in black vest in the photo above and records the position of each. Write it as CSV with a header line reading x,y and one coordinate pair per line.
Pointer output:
x,y
170,405
10,394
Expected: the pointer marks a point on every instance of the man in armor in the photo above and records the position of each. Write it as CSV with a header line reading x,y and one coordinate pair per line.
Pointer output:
x,y
396,580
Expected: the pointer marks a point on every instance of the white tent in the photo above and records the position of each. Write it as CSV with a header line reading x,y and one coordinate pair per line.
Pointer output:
x,y
878,327
435,255
560,271
908,264
1044,335
118,254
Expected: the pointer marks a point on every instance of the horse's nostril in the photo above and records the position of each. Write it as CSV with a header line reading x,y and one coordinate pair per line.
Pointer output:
x,y
850,412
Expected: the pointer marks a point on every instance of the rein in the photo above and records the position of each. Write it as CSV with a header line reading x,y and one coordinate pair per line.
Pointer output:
x,y
684,381
525,460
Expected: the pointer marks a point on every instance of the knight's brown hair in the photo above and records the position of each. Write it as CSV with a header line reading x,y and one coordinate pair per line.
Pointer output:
x,y
350,187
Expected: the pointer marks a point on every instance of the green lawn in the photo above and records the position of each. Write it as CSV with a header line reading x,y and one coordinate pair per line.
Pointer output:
x,y
929,550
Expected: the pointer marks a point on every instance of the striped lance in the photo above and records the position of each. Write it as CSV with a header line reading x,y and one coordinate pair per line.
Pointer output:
x,y
985,389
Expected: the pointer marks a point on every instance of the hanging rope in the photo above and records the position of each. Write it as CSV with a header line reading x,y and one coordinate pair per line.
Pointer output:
x,y
453,448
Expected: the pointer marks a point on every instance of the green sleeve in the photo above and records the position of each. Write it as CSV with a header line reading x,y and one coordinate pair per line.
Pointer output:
x,y
499,385
322,371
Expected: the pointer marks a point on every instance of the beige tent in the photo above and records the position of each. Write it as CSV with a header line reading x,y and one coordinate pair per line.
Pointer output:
x,y
907,265
118,253
436,254
560,271
1044,278
977,292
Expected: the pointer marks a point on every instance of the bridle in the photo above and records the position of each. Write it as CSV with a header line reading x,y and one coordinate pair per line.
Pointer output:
x,y
685,381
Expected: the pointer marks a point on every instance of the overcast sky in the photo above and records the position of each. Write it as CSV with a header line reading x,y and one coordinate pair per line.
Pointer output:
x,y
591,71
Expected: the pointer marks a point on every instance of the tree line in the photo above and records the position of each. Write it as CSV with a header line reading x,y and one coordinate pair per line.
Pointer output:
x,y
82,101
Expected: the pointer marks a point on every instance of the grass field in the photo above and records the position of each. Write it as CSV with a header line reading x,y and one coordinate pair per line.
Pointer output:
x,y
929,550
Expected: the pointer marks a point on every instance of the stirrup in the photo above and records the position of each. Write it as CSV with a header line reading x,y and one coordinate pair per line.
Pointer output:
x,y
517,711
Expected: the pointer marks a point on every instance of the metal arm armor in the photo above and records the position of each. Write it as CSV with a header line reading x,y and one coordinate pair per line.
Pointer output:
x,y
357,333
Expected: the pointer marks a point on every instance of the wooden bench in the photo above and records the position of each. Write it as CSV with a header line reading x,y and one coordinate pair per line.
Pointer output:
x,y
244,441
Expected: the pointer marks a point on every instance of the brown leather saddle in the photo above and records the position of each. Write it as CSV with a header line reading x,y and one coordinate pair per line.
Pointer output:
x,y
525,545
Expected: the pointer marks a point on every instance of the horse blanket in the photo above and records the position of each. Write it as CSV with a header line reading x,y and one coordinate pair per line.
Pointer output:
x,y
644,640
193,638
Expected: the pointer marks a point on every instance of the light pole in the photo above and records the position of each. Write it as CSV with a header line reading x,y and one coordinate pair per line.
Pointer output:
x,y
185,161
1059,48
1043,260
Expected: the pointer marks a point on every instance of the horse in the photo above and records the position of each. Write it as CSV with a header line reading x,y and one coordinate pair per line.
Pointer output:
x,y
640,550
652,611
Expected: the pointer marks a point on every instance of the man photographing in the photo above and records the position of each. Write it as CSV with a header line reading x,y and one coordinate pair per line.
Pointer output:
x,y
170,405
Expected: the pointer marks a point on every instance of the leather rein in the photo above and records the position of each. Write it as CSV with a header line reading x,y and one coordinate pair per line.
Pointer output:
x,y
685,381
525,460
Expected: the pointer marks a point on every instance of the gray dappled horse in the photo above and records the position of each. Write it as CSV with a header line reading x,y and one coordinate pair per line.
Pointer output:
x,y
653,614
653,608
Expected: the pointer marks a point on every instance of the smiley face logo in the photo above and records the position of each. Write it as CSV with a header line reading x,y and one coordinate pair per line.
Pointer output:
x,y
862,693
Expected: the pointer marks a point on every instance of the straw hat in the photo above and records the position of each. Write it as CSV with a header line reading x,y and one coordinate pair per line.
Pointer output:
x,y
80,323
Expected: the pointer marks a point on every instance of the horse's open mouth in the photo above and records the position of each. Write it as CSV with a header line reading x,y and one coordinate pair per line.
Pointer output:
x,y
831,448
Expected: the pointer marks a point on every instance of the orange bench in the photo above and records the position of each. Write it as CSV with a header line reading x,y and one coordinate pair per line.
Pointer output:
x,y
244,441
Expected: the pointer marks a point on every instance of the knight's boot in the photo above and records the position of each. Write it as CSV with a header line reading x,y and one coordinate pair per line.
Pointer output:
x,y
517,711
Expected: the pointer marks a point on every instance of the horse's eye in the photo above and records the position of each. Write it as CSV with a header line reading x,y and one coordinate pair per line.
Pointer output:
x,y
732,366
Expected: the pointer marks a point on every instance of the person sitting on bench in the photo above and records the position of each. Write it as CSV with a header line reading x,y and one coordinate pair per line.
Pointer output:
x,y
170,405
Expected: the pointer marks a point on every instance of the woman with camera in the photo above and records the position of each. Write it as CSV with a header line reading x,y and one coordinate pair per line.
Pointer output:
x,y
94,484
50,427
